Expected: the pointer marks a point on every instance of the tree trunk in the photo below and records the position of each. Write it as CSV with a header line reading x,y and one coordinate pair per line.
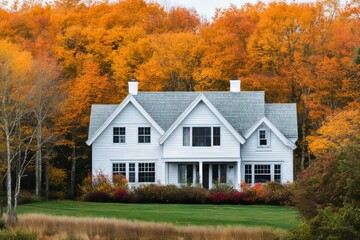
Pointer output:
x,y
303,147
46,178
9,196
73,171
14,217
38,161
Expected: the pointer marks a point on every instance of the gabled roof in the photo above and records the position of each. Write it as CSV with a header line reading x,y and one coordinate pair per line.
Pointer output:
x,y
281,136
240,109
198,99
115,113
284,117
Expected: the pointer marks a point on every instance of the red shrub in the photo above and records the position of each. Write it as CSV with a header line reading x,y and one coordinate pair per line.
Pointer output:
x,y
219,198
241,198
121,196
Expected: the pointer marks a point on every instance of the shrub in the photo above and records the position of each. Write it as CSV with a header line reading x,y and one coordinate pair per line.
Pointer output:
x,y
330,224
277,194
169,194
121,196
194,195
221,187
98,196
241,198
27,197
253,193
8,234
102,183
219,198
157,194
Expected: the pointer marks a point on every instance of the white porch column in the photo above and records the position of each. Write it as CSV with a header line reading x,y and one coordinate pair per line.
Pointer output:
x,y
201,173
238,174
210,176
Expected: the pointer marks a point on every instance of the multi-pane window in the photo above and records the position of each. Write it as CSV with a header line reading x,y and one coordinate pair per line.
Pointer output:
x,y
131,172
262,173
277,173
201,136
144,135
119,135
186,136
185,173
216,136
119,168
248,173
263,138
146,172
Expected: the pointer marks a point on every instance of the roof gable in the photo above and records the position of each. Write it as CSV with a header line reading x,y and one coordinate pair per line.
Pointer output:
x,y
272,127
240,109
117,111
190,108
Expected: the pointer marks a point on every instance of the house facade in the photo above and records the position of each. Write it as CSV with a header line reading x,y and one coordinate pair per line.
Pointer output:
x,y
194,138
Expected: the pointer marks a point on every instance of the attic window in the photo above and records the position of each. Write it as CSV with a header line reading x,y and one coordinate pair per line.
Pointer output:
x,y
263,138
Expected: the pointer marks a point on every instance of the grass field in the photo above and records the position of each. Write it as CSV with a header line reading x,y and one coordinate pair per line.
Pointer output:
x,y
246,215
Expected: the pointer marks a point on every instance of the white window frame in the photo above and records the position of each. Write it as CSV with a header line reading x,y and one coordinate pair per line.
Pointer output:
x,y
272,170
122,137
267,138
138,172
199,126
144,135
124,173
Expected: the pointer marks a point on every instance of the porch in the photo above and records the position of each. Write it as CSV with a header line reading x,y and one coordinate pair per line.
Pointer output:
x,y
203,173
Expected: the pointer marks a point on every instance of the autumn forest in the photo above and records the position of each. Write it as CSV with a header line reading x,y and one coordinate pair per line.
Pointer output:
x,y
57,59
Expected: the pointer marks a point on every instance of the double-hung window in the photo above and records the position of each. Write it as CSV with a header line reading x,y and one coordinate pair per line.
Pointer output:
x,y
186,136
264,138
131,172
144,135
277,173
119,134
146,172
216,136
119,168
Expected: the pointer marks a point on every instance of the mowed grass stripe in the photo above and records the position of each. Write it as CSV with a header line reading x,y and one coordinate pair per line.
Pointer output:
x,y
182,214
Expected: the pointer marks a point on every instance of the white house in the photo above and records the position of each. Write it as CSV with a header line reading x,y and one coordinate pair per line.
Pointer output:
x,y
194,137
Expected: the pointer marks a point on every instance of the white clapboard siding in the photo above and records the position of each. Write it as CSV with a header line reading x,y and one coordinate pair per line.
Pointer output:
x,y
277,153
105,151
201,116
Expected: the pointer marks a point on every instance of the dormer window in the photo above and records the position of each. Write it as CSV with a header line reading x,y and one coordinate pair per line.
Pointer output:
x,y
264,138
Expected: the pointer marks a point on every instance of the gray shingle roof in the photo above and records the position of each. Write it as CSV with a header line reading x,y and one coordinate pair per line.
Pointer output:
x,y
283,116
241,109
99,114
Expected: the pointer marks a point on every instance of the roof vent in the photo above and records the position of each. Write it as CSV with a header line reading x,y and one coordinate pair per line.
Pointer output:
x,y
133,86
234,85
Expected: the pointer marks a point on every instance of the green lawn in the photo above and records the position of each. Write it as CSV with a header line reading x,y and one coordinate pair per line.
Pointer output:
x,y
253,215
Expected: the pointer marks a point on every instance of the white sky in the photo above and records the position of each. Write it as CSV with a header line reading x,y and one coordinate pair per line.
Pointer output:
x,y
206,8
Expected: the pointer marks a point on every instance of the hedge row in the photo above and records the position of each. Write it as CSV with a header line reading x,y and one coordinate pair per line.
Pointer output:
x,y
271,193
